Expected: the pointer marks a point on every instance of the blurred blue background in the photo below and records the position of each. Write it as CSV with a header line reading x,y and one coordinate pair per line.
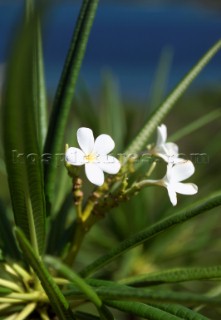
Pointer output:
x,y
129,38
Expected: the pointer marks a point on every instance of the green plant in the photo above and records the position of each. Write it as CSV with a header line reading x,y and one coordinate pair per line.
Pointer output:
x,y
45,271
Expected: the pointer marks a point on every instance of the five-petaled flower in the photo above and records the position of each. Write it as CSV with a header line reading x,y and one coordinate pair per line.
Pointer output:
x,y
172,180
166,150
94,155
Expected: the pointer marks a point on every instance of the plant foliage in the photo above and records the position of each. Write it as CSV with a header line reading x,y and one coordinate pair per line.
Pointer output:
x,y
150,261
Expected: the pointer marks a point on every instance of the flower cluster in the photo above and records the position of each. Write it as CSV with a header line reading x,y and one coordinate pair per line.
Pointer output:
x,y
94,155
178,169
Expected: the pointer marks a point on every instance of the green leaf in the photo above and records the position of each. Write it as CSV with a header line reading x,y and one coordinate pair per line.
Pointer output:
x,y
125,293
40,89
58,229
21,145
147,295
177,310
199,207
66,89
180,311
196,124
161,78
81,284
7,240
58,301
174,275
75,279
155,119
142,310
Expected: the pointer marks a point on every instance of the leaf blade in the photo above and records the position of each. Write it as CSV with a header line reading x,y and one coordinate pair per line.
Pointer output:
x,y
181,311
175,275
24,167
142,310
7,239
58,301
82,285
66,89
200,207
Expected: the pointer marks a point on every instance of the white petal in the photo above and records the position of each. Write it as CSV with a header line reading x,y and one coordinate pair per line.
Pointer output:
x,y
85,139
161,134
168,177
109,164
186,188
104,144
94,174
74,156
167,151
179,160
172,195
182,170
172,149
170,159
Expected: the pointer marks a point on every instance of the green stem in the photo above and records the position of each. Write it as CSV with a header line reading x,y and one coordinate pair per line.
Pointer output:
x,y
81,229
78,195
78,238
87,211
85,220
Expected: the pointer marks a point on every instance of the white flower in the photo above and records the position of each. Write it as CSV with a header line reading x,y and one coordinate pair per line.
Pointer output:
x,y
94,155
166,150
172,180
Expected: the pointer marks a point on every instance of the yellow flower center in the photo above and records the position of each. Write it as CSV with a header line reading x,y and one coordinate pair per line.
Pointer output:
x,y
90,157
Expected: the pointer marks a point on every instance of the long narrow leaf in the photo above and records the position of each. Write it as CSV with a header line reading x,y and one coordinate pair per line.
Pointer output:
x,y
58,301
146,295
21,145
58,232
82,285
196,124
124,293
155,119
66,89
40,89
174,275
142,310
174,309
161,78
199,207
180,311
73,277
7,240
